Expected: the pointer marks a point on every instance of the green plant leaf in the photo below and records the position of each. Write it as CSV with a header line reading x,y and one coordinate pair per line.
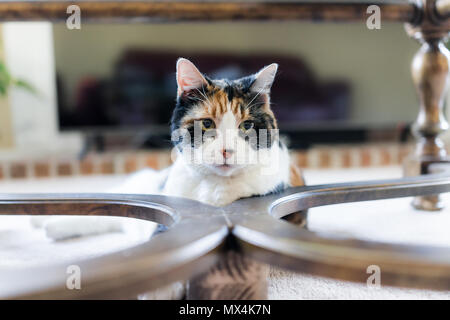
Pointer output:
x,y
5,79
24,85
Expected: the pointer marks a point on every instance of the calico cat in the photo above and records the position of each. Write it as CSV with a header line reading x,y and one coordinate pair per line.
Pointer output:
x,y
226,145
236,124
237,152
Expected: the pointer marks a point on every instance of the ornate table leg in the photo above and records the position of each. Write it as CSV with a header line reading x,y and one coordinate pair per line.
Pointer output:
x,y
430,68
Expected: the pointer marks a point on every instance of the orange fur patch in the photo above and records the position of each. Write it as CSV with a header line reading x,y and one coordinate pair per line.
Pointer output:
x,y
215,107
296,176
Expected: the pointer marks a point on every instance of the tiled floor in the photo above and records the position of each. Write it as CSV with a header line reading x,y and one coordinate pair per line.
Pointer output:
x,y
340,156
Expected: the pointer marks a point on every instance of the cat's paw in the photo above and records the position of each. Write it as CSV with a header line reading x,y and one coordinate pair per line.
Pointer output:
x,y
39,221
174,291
59,228
64,227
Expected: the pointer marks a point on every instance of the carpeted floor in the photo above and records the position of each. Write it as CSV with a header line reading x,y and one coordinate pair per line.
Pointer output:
x,y
22,246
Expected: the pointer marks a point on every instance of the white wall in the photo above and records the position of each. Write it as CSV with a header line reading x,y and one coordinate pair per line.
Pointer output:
x,y
29,55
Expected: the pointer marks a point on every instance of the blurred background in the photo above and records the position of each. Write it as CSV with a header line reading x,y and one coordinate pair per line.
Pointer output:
x,y
81,109
109,89
335,82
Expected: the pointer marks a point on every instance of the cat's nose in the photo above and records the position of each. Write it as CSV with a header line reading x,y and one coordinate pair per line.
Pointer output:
x,y
227,153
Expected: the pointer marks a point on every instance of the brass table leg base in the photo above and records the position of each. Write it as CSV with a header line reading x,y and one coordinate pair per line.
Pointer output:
x,y
414,166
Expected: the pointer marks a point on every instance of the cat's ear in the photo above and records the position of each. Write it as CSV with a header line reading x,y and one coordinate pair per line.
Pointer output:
x,y
188,76
264,79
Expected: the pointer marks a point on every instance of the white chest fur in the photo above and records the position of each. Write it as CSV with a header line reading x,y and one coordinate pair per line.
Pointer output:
x,y
256,179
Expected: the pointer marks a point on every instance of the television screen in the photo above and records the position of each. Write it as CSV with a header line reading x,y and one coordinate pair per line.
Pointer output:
x,y
142,89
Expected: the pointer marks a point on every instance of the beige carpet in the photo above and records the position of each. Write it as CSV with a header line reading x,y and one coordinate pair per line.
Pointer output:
x,y
21,246
385,220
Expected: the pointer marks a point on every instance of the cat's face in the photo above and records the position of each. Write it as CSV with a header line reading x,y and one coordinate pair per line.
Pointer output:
x,y
223,126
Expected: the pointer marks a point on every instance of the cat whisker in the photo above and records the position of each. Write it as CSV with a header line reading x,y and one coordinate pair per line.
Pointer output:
x,y
259,92
198,99
256,104
206,96
207,101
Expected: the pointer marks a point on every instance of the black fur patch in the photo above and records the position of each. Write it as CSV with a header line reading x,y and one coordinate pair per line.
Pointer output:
x,y
263,124
184,103
278,189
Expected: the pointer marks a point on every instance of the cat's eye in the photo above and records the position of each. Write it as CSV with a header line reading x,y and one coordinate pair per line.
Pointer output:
x,y
246,125
208,124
